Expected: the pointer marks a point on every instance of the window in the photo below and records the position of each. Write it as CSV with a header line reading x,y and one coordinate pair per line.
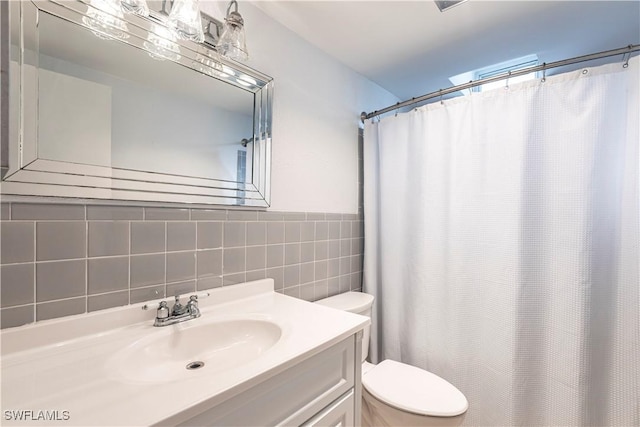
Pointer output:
x,y
494,70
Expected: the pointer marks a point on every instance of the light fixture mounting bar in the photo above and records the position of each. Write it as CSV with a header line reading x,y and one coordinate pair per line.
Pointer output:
x,y
211,26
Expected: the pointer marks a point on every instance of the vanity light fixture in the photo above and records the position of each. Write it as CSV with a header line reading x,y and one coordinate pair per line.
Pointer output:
x,y
137,7
106,20
178,19
185,21
232,43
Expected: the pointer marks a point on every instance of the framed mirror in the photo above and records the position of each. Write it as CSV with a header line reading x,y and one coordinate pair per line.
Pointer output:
x,y
130,115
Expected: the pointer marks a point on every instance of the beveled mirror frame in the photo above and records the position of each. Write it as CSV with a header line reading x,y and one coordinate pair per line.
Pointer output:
x,y
23,173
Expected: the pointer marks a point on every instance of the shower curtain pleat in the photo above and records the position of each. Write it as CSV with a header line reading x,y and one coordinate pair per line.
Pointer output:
x,y
502,246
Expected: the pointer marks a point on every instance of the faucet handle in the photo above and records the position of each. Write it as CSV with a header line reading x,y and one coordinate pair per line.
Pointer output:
x,y
163,311
192,306
153,305
193,301
200,295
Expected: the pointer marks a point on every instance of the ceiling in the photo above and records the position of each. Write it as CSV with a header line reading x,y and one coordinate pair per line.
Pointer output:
x,y
411,48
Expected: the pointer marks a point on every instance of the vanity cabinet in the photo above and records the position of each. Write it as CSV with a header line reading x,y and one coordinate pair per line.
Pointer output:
x,y
320,390
338,414
306,369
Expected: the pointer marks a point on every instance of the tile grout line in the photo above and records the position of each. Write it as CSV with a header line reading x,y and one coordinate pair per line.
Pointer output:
x,y
351,257
166,257
195,254
223,249
129,262
35,275
86,263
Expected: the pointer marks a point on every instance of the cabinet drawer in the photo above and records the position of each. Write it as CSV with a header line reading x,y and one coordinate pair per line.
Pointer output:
x,y
291,397
339,414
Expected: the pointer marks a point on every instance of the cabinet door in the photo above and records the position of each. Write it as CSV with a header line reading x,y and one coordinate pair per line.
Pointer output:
x,y
290,397
339,414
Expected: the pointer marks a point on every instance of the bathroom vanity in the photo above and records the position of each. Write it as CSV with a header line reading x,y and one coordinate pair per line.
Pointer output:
x,y
266,359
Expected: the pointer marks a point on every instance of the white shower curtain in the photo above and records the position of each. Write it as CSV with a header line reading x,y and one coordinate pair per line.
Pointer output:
x,y
502,246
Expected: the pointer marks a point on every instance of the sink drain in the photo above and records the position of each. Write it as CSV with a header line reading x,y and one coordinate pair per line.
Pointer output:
x,y
195,365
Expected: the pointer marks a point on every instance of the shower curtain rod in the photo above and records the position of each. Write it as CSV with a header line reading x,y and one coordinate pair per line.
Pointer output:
x,y
621,51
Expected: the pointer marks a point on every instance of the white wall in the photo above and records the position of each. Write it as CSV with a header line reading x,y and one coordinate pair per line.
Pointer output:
x,y
65,124
316,112
178,131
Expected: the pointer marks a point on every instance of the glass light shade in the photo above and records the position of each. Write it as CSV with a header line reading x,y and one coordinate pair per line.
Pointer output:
x,y
184,20
232,43
137,7
106,20
161,44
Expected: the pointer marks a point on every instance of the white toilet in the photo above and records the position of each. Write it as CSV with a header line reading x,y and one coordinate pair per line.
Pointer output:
x,y
397,394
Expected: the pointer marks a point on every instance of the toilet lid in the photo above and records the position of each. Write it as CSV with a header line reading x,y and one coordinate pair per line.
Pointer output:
x,y
414,390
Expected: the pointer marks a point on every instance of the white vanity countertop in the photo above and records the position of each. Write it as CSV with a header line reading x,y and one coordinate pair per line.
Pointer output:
x,y
66,364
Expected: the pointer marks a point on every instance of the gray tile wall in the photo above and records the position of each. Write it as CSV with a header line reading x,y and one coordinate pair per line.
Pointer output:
x,y
63,259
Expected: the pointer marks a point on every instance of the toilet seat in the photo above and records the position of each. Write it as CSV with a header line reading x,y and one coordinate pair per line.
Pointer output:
x,y
366,367
414,390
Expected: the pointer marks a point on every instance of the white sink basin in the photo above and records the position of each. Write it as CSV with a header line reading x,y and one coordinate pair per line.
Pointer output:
x,y
181,351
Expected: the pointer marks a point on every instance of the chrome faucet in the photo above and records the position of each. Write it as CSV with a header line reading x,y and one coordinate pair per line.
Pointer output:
x,y
178,313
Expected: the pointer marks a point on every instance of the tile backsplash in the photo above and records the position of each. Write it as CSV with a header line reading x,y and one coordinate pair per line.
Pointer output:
x,y
63,259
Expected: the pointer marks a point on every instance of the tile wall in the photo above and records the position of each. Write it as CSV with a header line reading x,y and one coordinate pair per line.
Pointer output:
x,y
63,259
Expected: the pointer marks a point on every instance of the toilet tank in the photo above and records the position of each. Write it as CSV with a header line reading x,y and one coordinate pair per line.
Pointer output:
x,y
354,302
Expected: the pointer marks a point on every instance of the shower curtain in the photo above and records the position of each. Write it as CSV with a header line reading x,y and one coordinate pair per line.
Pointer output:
x,y
502,246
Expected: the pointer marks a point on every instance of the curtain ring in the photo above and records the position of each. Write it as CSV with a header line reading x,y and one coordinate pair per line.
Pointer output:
x,y
506,87
544,72
441,103
626,62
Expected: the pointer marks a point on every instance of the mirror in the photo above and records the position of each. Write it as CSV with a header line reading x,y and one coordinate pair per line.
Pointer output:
x,y
135,116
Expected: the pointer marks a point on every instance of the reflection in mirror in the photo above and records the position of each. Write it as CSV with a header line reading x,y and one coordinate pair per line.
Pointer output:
x,y
129,112
104,108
